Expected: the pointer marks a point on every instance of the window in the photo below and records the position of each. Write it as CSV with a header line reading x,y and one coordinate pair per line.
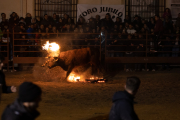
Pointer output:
x,y
175,8
60,7
144,8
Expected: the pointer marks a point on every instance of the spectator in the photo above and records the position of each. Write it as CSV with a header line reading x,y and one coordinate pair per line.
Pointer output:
x,y
70,21
4,88
22,20
140,47
158,26
126,25
42,28
25,106
30,30
143,31
38,21
3,23
158,29
137,28
38,36
131,30
118,21
72,27
97,21
60,25
92,24
54,30
145,26
137,20
167,25
45,21
47,35
107,22
120,28
119,41
50,28
95,36
122,108
3,16
13,20
28,19
151,23
175,48
65,19
178,20
115,29
167,13
127,19
129,48
54,20
81,21
110,41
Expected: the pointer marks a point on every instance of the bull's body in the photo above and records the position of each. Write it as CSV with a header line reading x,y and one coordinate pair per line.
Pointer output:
x,y
68,60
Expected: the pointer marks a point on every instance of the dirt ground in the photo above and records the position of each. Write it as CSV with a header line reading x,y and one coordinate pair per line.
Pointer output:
x,y
158,97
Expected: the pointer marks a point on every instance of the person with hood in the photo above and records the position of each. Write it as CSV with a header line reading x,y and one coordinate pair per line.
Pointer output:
x,y
25,106
122,108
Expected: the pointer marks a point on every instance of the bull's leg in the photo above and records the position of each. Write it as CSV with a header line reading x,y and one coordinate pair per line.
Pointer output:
x,y
94,67
70,68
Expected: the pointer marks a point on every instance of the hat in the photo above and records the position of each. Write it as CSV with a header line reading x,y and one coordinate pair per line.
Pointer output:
x,y
29,92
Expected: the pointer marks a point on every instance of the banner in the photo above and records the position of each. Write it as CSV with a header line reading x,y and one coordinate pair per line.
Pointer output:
x,y
88,11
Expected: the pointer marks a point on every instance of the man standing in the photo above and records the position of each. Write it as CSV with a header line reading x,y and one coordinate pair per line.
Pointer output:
x,y
122,108
24,107
3,87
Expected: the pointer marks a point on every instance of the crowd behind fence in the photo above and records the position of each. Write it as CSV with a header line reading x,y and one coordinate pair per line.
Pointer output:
x,y
137,50
134,41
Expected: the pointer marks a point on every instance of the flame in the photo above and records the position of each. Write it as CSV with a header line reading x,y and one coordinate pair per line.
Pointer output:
x,y
52,48
73,78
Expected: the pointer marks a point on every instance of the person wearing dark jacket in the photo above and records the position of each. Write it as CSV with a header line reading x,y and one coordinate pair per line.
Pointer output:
x,y
25,106
122,108
4,88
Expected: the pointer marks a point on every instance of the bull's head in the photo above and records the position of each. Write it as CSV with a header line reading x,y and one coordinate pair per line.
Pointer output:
x,y
51,62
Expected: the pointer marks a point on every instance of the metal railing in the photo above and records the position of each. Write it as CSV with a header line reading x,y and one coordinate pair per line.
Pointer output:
x,y
107,51
4,48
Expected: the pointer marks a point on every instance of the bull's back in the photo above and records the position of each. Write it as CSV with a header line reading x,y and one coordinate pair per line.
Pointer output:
x,y
76,56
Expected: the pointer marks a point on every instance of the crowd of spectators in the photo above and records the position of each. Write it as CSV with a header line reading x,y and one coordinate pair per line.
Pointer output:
x,y
121,32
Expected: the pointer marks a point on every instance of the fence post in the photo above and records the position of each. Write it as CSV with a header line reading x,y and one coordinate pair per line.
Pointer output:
x,y
57,33
8,50
13,50
100,48
146,49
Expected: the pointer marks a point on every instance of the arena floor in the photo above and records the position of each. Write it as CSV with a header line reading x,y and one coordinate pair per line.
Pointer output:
x,y
158,97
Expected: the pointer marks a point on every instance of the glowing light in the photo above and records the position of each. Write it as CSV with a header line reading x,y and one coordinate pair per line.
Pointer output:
x,y
73,78
52,48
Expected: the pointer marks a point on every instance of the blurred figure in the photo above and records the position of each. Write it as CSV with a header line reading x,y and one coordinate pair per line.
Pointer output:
x,y
25,106
167,13
28,19
122,108
3,87
127,19
178,20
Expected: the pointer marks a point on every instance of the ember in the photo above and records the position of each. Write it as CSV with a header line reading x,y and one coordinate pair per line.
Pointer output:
x,y
73,78
52,48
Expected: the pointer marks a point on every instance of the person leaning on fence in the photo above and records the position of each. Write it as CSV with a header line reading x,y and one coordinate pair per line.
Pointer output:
x,y
122,108
3,87
25,106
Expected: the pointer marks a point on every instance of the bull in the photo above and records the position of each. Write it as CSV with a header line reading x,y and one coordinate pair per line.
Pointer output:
x,y
70,59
